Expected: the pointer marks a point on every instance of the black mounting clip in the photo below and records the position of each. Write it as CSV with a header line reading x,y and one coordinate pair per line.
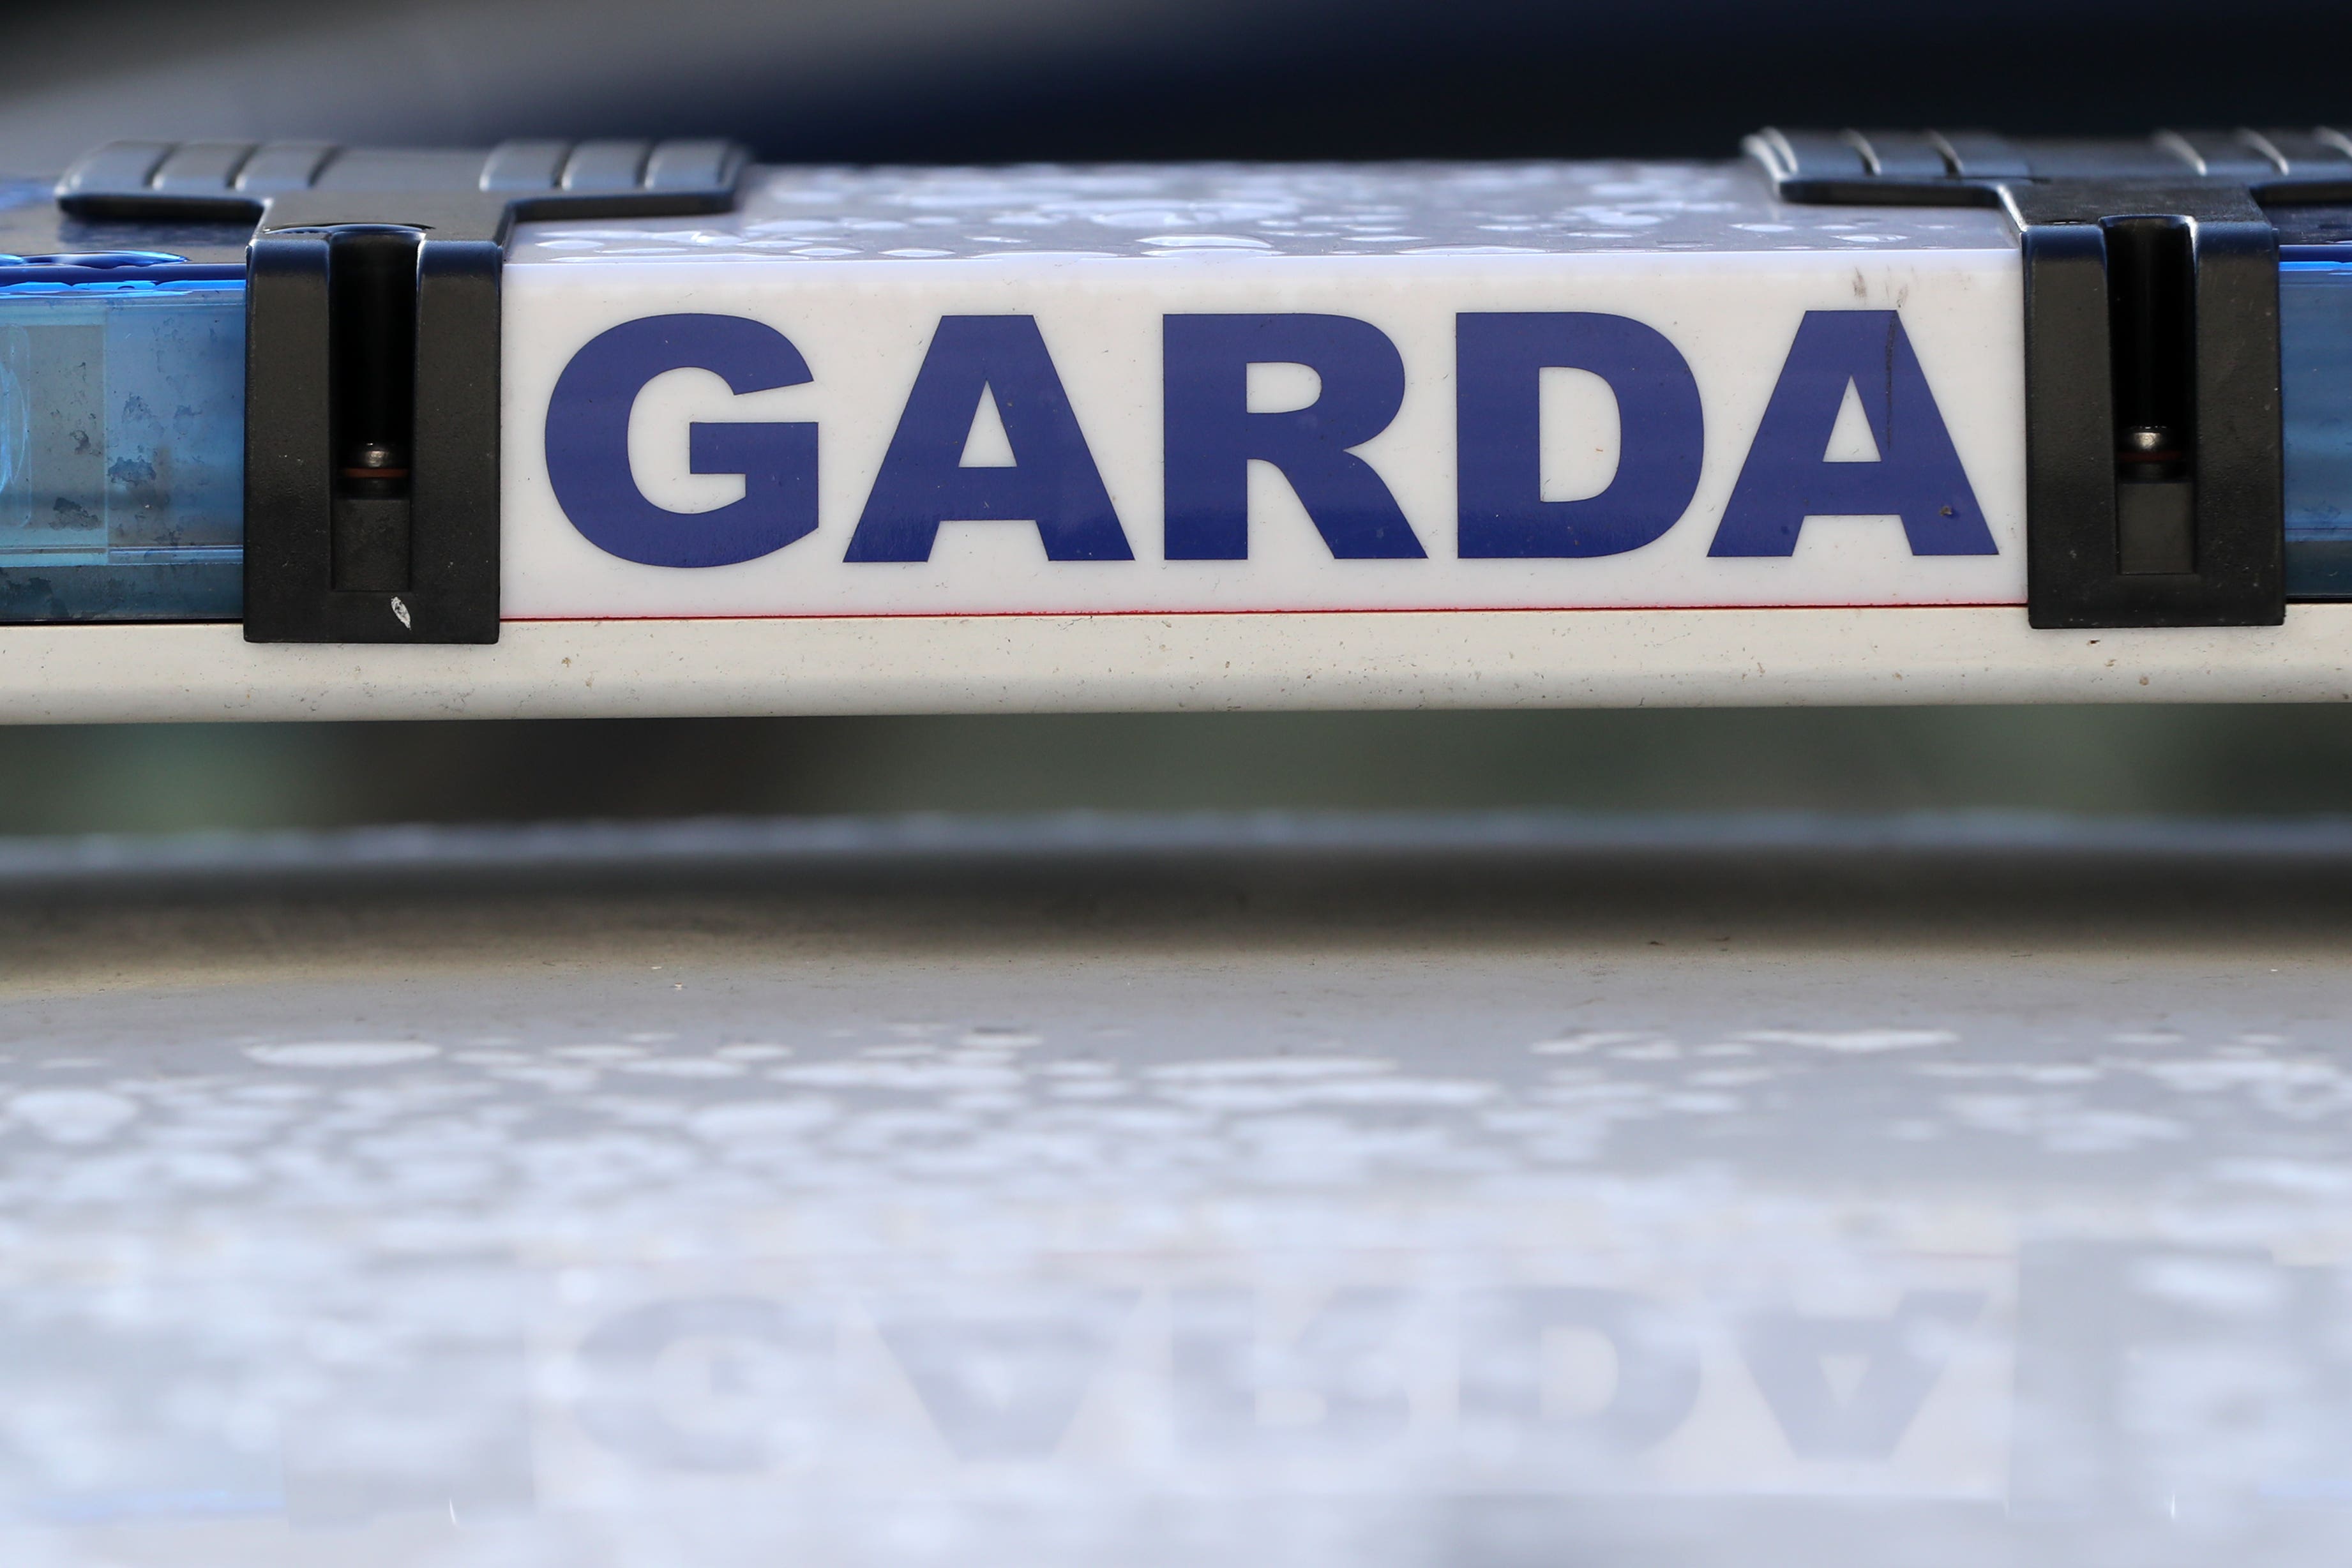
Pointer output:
x,y
2155,488
371,404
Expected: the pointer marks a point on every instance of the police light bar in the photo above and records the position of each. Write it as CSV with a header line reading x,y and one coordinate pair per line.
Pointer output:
x,y
292,430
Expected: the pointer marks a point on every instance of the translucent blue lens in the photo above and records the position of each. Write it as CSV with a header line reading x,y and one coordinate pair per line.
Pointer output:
x,y
121,442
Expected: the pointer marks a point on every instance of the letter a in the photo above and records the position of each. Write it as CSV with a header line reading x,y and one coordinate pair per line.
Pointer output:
x,y
1789,476
1052,480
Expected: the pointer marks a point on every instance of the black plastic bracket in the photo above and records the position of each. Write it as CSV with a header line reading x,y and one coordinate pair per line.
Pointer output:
x,y
372,399
2155,488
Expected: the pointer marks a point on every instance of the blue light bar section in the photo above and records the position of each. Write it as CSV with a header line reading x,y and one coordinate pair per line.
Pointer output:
x,y
2316,384
122,439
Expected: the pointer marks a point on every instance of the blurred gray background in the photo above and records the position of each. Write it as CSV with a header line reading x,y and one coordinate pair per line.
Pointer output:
x,y
2134,761
963,81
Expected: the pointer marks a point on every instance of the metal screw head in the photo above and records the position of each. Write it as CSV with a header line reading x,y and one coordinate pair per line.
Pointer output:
x,y
2147,438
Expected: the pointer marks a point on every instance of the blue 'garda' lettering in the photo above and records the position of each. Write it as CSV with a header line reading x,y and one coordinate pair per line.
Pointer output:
x,y
1788,476
1051,482
1212,436
588,444
1499,361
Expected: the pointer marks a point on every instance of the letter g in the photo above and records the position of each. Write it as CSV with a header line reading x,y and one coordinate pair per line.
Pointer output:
x,y
588,444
